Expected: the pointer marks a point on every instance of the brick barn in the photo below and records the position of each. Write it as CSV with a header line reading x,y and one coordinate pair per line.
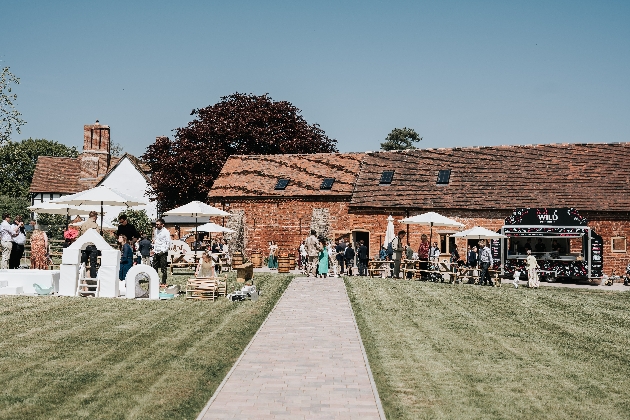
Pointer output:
x,y
280,197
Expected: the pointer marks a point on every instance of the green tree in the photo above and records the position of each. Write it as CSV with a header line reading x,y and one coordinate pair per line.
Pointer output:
x,y
10,118
18,160
401,139
15,206
184,169
52,224
139,219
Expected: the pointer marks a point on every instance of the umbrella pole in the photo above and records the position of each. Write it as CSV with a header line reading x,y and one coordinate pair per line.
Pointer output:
x,y
431,235
196,238
67,217
101,218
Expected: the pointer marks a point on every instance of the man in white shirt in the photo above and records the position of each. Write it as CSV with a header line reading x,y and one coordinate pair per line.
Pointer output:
x,y
161,244
7,233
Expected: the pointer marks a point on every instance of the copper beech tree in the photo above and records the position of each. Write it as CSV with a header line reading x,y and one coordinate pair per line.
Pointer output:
x,y
184,169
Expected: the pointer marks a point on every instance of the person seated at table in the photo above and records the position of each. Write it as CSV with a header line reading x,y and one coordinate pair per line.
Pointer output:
x,y
206,267
434,252
455,260
216,249
382,255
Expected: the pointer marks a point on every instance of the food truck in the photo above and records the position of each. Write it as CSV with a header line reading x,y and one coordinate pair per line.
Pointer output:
x,y
559,238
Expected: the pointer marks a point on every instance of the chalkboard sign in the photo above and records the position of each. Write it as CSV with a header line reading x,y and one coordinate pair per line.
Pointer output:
x,y
597,258
546,217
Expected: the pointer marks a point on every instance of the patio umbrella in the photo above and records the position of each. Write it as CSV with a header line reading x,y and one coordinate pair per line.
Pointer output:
x,y
431,219
389,233
101,195
49,207
478,233
196,209
213,228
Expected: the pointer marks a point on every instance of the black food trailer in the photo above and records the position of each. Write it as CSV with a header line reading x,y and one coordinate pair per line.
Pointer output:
x,y
559,238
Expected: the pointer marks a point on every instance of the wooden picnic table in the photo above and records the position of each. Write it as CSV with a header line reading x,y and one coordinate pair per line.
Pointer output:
x,y
380,267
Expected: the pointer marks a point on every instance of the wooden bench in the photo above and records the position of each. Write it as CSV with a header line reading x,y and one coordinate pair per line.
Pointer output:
x,y
203,288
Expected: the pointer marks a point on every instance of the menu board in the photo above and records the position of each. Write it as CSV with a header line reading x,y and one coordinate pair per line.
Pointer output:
x,y
597,259
495,250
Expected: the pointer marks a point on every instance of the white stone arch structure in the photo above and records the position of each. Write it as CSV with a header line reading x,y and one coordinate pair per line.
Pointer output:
x,y
131,282
107,272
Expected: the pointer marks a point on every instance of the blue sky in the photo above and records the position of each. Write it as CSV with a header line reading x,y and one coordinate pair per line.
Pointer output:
x,y
460,73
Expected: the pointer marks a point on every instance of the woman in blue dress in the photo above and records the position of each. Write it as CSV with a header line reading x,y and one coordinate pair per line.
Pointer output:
x,y
322,269
126,257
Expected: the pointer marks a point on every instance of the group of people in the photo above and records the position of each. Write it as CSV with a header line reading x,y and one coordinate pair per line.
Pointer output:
x,y
318,257
13,238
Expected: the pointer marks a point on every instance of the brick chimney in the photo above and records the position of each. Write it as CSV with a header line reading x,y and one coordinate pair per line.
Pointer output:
x,y
95,158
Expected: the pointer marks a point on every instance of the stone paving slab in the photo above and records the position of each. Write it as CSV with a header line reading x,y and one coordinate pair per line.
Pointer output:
x,y
306,361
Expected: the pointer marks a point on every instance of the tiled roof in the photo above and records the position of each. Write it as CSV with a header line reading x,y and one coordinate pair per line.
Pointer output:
x,y
593,177
256,175
56,174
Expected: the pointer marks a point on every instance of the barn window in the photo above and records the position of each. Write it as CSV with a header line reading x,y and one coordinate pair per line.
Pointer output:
x,y
444,176
618,244
281,184
327,184
386,177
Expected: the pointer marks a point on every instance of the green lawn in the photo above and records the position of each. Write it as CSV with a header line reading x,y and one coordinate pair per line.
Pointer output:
x,y
114,358
443,351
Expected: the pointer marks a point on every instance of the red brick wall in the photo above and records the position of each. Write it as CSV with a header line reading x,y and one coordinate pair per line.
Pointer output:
x,y
288,223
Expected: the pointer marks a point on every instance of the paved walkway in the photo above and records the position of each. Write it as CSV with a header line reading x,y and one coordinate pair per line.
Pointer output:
x,y
306,361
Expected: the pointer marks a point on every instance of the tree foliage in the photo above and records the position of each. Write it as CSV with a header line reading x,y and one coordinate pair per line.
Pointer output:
x,y
10,118
185,168
15,206
401,139
18,160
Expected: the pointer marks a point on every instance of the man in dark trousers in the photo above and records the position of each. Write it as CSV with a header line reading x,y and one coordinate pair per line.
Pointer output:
x,y
341,251
362,254
348,257
485,262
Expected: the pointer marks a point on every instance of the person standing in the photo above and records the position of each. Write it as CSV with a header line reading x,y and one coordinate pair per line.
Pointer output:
x,y
126,257
7,233
532,275
161,245
348,257
323,259
398,247
91,252
17,249
423,255
471,259
127,229
362,254
341,251
312,249
485,260
39,250
144,247
273,256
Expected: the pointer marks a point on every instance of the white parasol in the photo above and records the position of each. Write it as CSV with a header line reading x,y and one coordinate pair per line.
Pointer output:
x,y
478,233
431,219
101,195
213,228
389,233
49,207
196,209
